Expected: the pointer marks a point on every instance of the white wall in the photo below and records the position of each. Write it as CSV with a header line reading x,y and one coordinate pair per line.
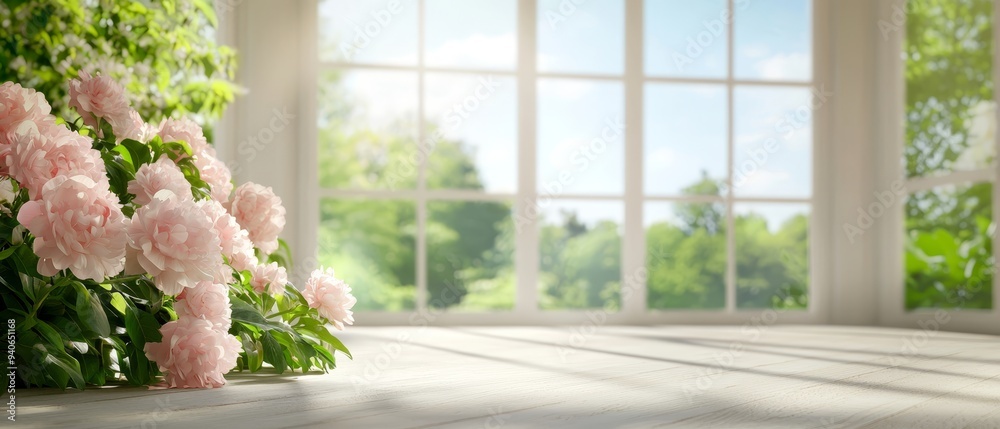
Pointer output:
x,y
258,137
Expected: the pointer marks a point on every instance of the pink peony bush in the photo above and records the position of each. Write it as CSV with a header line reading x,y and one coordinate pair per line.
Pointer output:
x,y
122,229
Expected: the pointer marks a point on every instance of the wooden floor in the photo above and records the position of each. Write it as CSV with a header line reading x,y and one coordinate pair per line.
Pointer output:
x,y
608,377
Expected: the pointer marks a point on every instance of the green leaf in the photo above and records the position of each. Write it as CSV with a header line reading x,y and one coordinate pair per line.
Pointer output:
x,y
49,334
142,327
273,353
246,313
139,152
62,368
90,312
118,302
253,350
7,252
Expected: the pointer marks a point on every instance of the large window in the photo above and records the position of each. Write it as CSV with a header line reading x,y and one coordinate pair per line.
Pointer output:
x,y
949,154
537,156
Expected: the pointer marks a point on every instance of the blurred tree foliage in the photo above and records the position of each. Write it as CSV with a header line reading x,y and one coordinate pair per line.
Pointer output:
x,y
949,93
162,51
470,245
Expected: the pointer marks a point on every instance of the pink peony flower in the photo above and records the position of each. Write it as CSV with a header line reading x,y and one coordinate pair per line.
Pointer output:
x,y
133,127
207,300
243,258
186,130
271,278
79,225
215,173
331,296
155,177
259,211
177,243
38,155
19,105
193,354
231,236
98,97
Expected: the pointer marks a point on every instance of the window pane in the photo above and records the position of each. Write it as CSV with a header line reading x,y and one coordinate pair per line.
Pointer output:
x,y
370,31
371,243
773,39
580,251
477,119
581,135
686,38
949,247
686,255
470,251
581,37
685,138
773,142
367,139
479,34
772,255
950,114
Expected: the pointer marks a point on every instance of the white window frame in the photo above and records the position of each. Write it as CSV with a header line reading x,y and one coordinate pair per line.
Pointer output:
x,y
633,305
891,250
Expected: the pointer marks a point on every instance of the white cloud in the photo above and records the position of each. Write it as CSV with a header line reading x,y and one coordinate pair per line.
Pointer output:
x,y
477,50
784,66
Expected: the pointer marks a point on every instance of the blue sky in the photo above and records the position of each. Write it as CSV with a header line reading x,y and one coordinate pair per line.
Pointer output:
x,y
685,124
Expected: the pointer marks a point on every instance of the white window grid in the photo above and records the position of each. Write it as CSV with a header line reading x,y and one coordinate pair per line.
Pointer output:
x,y
891,244
633,303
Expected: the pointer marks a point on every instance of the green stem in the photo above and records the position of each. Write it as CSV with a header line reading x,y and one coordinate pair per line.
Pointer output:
x,y
125,279
38,304
282,313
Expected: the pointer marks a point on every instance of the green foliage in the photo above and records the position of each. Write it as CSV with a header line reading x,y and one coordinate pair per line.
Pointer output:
x,y
162,51
280,330
949,65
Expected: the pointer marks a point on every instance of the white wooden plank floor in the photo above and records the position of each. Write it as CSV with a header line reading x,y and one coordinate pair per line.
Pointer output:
x,y
608,377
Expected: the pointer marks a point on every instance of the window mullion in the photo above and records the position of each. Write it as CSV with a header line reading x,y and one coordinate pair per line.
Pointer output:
x,y
526,207
421,203
730,156
634,273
